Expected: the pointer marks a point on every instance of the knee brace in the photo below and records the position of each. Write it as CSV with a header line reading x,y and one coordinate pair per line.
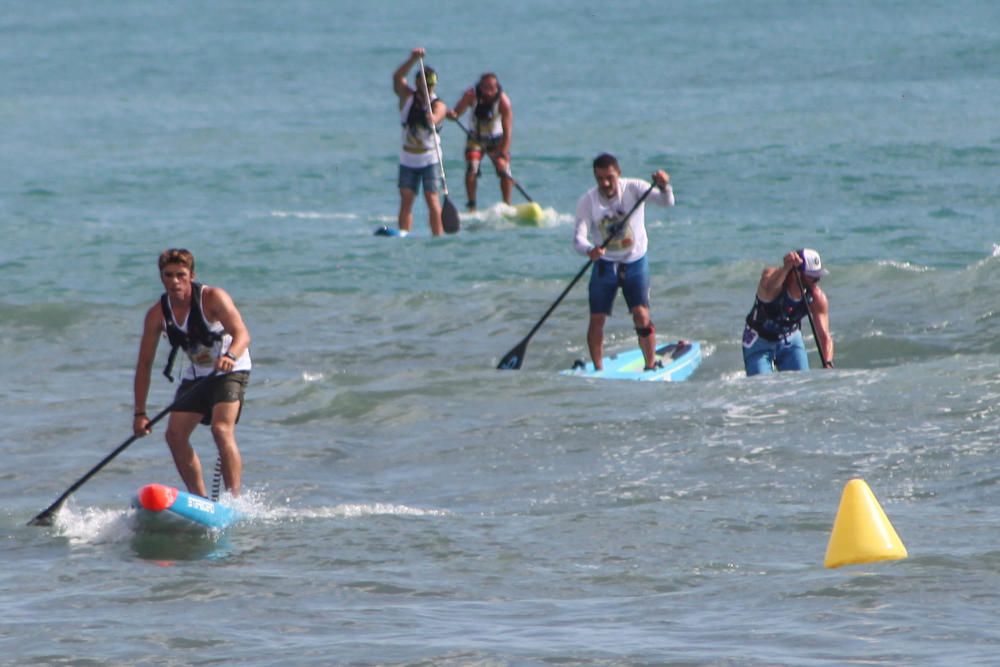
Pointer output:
x,y
645,332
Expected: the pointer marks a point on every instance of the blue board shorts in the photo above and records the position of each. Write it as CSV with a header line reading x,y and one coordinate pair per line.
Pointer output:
x,y
606,277
410,178
763,356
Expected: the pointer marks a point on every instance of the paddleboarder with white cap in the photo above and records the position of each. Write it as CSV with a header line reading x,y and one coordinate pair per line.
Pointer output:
x,y
772,337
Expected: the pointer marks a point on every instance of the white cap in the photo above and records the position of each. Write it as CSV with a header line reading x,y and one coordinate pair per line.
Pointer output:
x,y
812,265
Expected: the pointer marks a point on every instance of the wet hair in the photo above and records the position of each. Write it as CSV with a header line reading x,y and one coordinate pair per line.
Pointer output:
x,y
490,75
180,256
605,160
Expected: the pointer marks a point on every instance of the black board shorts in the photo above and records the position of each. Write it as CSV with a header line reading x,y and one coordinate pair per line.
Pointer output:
x,y
222,389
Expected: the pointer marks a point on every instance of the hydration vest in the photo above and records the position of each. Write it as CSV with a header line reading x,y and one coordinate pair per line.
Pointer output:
x,y
416,116
780,318
198,332
486,111
486,115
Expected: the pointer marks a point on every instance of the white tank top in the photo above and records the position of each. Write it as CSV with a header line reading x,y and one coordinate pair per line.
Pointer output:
x,y
418,142
202,357
491,128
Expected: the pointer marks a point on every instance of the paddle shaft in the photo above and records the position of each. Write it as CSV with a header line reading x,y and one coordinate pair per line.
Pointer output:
x,y
819,346
507,173
44,518
430,121
449,216
513,359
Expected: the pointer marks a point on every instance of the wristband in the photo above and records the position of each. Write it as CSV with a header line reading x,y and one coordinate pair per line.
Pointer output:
x,y
827,364
230,356
139,414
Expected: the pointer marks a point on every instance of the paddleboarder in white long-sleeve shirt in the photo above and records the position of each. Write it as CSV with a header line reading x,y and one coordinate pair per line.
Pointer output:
x,y
622,263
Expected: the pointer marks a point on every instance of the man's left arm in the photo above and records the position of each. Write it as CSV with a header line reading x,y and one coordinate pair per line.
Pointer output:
x,y
507,123
219,306
439,110
664,192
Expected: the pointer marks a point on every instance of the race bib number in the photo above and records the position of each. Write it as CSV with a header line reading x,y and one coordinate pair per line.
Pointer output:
x,y
749,337
203,357
623,240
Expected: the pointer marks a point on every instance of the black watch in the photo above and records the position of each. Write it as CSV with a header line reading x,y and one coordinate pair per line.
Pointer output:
x,y
230,355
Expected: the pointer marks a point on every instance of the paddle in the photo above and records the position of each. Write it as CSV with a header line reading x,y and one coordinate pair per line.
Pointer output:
x,y
44,518
449,215
507,173
513,359
819,348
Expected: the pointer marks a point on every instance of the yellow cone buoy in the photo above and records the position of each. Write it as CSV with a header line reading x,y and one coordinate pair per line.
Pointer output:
x,y
861,532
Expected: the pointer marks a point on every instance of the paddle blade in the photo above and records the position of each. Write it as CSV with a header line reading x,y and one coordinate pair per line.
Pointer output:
x,y
45,517
449,217
512,360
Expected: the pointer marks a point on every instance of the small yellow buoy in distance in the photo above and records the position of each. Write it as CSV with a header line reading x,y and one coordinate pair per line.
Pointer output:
x,y
861,532
530,213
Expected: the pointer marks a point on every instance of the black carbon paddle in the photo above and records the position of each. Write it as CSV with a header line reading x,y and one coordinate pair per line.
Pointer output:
x,y
45,517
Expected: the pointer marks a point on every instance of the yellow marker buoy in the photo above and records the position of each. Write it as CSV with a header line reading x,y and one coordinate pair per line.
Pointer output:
x,y
861,532
530,213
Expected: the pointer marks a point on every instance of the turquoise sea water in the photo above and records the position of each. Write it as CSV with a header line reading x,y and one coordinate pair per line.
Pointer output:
x,y
411,504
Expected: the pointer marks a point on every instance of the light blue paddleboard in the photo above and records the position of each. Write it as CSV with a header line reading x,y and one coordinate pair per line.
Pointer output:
x,y
679,362
161,507
391,231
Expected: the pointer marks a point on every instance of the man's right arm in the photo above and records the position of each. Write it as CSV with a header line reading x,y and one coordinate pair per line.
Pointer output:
x,y
399,84
151,330
464,102
581,233
507,122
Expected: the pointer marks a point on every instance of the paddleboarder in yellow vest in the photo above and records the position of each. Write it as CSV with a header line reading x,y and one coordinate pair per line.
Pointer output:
x,y
491,130
418,158
204,322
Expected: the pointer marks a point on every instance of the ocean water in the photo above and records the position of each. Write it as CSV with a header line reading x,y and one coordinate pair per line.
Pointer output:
x,y
410,504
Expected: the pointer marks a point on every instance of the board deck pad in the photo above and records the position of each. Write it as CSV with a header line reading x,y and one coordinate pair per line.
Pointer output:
x,y
678,361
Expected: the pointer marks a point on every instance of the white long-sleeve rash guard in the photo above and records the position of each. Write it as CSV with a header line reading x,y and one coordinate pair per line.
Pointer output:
x,y
595,215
